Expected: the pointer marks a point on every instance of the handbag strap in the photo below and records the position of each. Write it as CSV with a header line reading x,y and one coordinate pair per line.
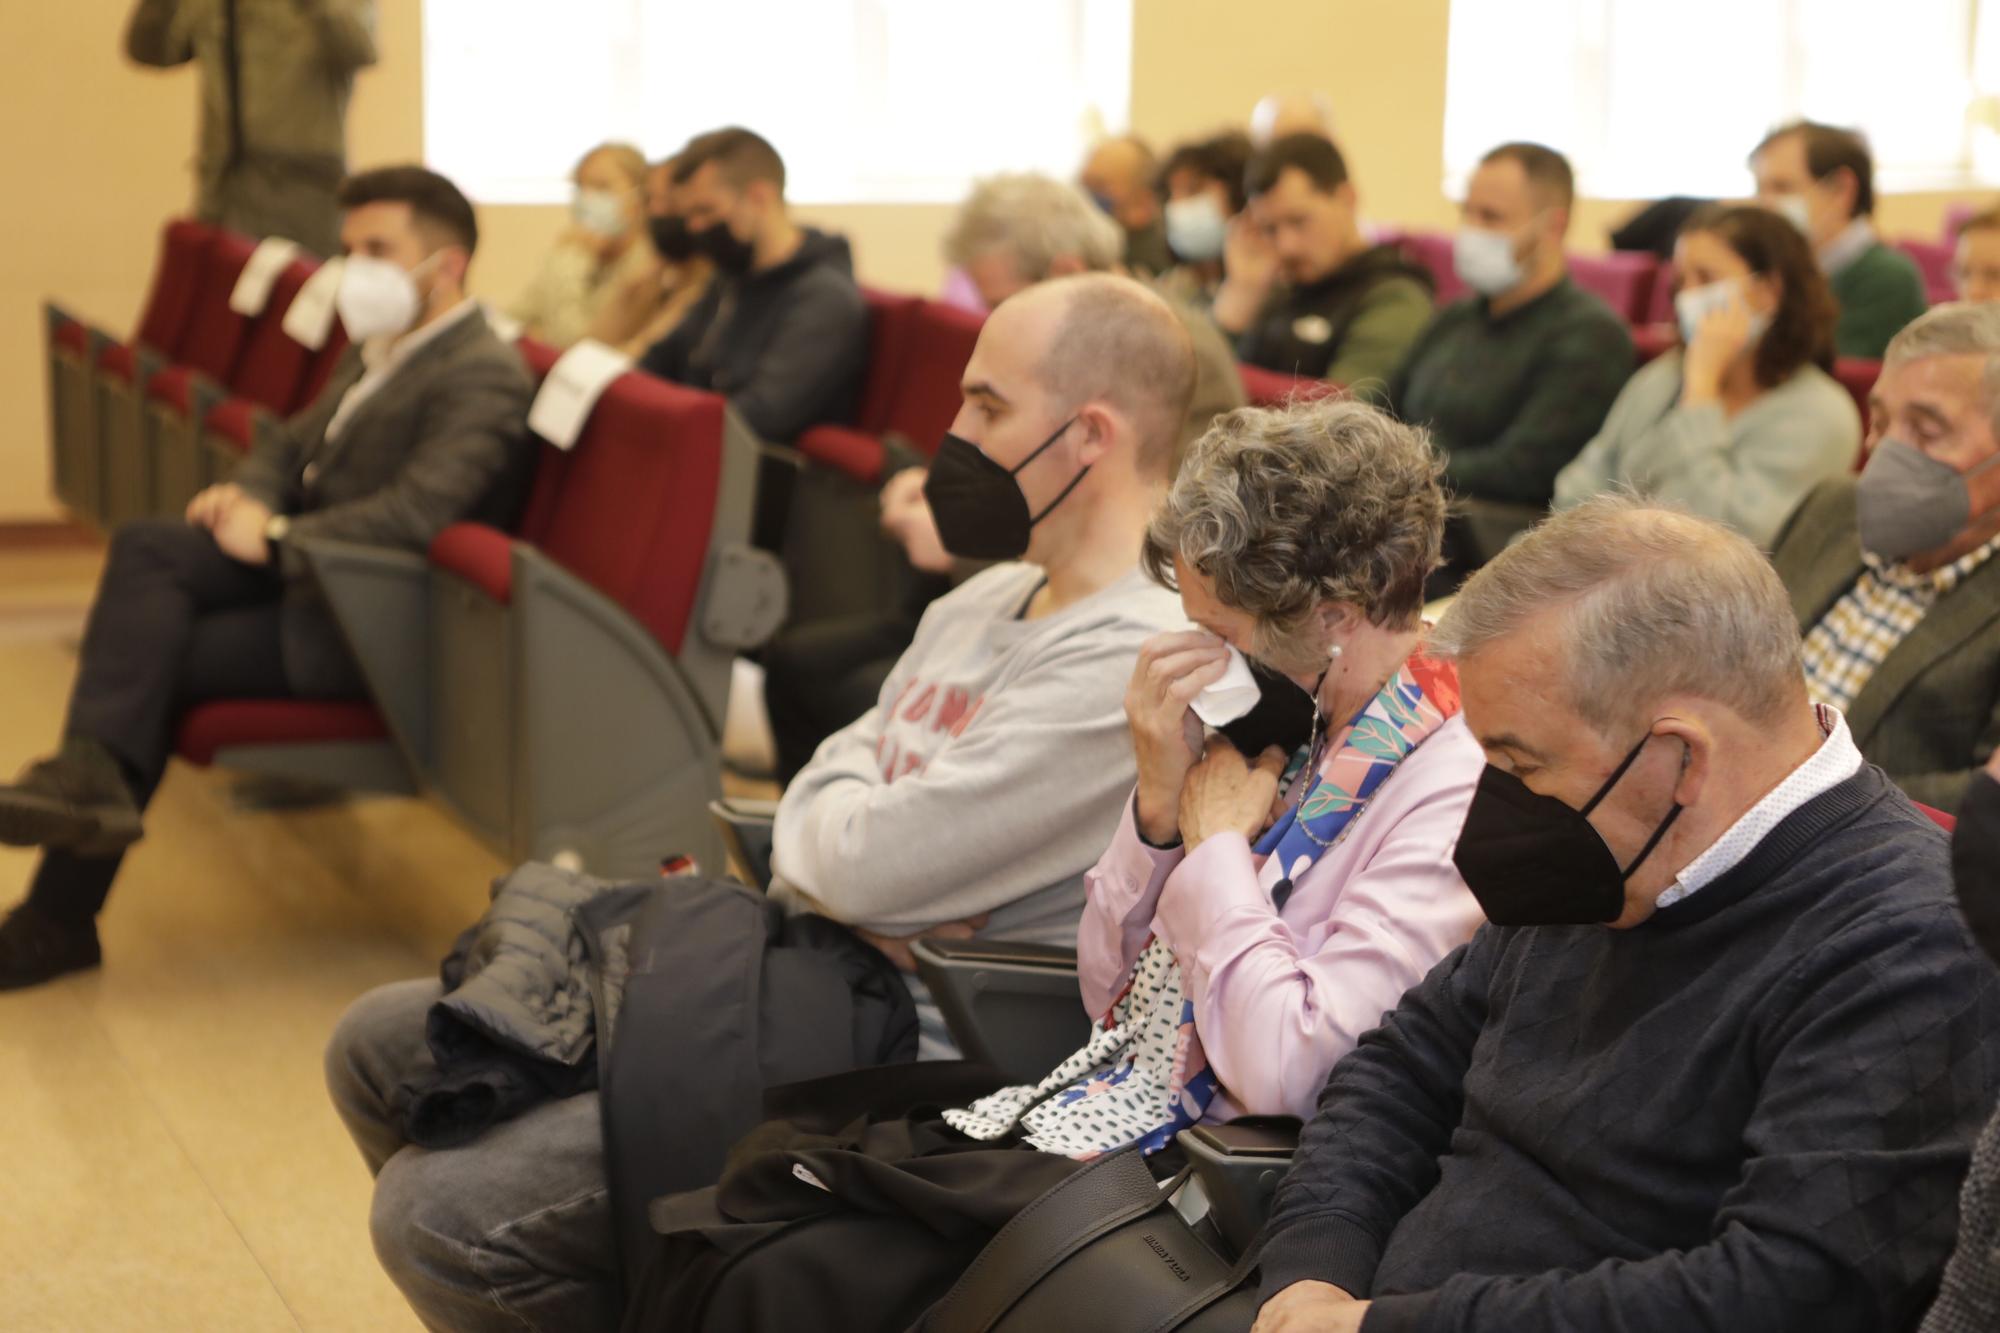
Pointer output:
x,y
1103,1196
1211,1292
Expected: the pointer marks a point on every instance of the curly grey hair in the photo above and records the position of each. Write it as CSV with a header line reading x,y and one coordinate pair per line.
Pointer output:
x,y
1653,602
1959,328
1283,509
1036,219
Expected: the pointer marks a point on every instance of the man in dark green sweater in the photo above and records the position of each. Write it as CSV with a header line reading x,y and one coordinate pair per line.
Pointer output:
x,y
1823,179
1513,381
1719,1058
1303,292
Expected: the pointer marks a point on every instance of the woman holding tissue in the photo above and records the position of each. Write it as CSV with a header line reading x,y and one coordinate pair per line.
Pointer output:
x,y
1742,419
1254,915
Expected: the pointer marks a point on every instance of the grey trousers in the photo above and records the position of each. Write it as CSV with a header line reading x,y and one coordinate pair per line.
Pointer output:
x,y
510,1231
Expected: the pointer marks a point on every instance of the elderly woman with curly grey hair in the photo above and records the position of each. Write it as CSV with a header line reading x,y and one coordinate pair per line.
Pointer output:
x,y
1234,945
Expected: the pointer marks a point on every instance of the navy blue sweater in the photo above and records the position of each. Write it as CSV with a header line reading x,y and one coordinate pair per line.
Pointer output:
x,y
1751,1112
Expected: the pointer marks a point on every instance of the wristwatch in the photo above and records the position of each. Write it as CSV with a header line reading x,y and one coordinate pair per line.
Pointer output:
x,y
275,531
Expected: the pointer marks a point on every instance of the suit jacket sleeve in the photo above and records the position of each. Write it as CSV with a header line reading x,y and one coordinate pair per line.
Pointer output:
x,y
474,423
271,472
346,31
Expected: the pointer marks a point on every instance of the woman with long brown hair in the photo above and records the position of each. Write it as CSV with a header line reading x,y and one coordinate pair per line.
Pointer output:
x,y
1742,419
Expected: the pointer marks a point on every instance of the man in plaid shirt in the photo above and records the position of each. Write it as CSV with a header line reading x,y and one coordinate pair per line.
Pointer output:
x,y
1892,573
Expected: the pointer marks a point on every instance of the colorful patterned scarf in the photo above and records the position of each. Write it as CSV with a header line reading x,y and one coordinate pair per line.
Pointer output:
x,y
1141,1077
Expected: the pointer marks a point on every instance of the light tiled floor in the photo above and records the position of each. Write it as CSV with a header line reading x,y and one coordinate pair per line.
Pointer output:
x,y
168,1159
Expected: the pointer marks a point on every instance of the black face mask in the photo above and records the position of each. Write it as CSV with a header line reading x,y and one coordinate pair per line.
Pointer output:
x,y
729,252
1283,716
1975,862
980,511
672,240
1532,860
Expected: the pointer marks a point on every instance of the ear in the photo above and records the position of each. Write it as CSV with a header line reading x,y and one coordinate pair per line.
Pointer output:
x,y
1844,187
1063,266
1697,755
1344,195
1099,425
1337,617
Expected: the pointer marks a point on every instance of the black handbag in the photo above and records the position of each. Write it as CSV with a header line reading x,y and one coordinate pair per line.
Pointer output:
x,y
1103,1250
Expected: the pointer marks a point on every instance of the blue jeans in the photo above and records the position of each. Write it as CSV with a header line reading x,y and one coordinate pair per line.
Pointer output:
x,y
510,1231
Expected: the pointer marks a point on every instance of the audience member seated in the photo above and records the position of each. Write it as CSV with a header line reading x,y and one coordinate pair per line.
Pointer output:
x,y
1203,183
1719,1057
422,424
1304,291
1119,175
603,250
1976,266
781,329
651,302
1823,180
1233,946
1742,419
1278,115
1969,1300
1891,573
970,801
1516,378
1013,232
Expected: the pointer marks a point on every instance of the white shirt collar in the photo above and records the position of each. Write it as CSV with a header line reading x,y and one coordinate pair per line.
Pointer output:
x,y
1834,762
1847,247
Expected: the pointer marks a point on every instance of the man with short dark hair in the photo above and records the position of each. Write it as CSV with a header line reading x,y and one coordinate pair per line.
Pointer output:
x,y
1719,1056
781,331
1823,180
1516,378
1303,292
1975,267
420,426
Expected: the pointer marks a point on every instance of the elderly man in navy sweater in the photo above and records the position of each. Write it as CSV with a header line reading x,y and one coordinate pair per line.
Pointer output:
x,y
1720,1056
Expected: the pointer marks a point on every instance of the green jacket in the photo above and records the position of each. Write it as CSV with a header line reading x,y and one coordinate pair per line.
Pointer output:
x,y
272,153
1878,294
1930,715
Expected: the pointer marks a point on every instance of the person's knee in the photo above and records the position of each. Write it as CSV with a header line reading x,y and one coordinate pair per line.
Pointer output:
x,y
377,1031
420,1232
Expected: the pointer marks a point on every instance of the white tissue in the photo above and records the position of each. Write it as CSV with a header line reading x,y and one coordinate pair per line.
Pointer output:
x,y
1229,698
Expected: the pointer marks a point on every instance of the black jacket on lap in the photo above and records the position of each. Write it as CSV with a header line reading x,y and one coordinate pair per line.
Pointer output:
x,y
1751,1111
787,346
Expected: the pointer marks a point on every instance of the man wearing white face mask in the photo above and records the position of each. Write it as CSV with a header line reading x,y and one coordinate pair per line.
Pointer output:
x,y
1822,180
604,248
1515,379
1305,292
1742,419
421,425
1892,574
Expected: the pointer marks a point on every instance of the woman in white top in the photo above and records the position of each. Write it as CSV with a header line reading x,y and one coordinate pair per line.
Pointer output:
x,y
604,247
1742,419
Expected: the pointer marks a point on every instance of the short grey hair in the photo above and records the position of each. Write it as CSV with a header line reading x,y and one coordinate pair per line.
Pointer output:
x,y
1650,603
1959,328
1037,220
1283,508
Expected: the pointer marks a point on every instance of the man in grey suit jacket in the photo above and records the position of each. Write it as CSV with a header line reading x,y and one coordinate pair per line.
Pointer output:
x,y
422,424
1892,574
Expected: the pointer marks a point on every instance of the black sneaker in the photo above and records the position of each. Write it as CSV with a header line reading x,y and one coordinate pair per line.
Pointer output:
x,y
76,801
36,947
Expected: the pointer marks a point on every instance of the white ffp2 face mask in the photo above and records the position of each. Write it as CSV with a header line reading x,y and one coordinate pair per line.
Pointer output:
x,y
1692,305
377,298
599,212
1196,228
1484,260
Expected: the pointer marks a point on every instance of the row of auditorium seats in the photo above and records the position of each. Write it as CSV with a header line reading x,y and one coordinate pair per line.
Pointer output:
x,y
559,687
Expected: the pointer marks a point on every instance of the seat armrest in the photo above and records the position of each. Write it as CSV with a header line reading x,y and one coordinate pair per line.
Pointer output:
x,y
746,828
1239,1165
480,555
1047,957
856,453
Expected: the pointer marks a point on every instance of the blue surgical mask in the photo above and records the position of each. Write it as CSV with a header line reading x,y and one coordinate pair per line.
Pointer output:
x,y
1484,260
1196,228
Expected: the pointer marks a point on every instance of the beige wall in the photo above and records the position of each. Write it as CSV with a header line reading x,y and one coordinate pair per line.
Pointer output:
x,y
97,154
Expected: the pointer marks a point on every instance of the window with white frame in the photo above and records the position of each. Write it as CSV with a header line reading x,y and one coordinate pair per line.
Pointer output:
x,y
868,101
1651,99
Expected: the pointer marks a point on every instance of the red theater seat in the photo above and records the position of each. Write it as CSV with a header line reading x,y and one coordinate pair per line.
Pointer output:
x,y
1274,388
214,728
1622,279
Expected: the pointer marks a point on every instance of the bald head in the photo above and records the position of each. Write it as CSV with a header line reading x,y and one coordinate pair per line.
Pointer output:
x,y
1109,338
1279,114
1630,605
1119,173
